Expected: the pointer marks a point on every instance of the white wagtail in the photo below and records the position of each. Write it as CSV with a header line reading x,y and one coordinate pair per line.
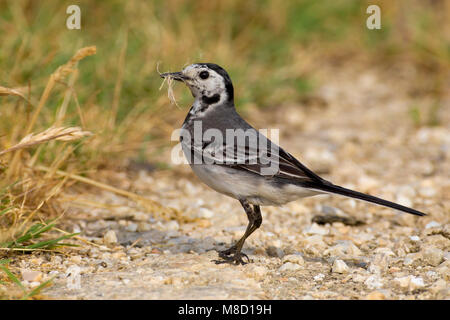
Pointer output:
x,y
248,167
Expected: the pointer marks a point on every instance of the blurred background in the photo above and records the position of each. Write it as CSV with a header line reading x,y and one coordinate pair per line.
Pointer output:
x,y
278,53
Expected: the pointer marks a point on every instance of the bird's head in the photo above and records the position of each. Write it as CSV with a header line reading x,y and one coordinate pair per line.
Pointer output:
x,y
208,82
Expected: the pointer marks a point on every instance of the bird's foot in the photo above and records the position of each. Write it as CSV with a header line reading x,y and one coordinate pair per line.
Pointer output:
x,y
232,256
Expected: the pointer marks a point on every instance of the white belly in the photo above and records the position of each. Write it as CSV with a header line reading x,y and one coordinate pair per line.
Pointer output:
x,y
243,185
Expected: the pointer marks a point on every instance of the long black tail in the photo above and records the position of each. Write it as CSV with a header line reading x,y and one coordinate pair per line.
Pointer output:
x,y
331,188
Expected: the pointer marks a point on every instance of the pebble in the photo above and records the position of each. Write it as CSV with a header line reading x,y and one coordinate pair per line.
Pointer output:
x,y
340,266
294,258
344,247
444,270
257,272
276,252
439,285
132,227
432,224
433,256
414,238
76,259
410,282
316,229
403,200
289,266
376,295
31,276
172,225
373,282
319,277
205,213
110,237
411,258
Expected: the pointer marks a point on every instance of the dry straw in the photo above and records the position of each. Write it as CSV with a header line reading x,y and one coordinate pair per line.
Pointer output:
x,y
170,93
61,134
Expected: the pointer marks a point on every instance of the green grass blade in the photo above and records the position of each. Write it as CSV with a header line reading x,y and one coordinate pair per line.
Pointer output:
x,y
12,277
50,243
4,211
36,290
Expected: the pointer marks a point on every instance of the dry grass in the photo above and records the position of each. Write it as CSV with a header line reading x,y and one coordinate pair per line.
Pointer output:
x,y
31,175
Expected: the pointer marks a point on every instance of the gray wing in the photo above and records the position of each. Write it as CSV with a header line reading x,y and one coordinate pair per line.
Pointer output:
x,y
260,156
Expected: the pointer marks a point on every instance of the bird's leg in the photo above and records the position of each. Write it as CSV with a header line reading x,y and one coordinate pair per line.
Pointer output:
x,y
254,222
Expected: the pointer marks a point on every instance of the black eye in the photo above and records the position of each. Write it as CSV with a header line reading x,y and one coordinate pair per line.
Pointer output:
x,y
204,75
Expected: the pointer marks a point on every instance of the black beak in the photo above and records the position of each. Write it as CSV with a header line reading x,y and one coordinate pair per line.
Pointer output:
x,y
174,75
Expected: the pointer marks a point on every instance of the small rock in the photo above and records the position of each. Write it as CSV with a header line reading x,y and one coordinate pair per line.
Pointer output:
x,y
132,227
205,213
403,200
294,258
76,259
416,283
289,266
257,272
276,252
376,295
345,247
432,224
144,226
172,225
110,237
414,238
373,282
410,282
340,266
203,223
31,276
411,258
447,256
358,278
444,270
316,229
319,277
439,285
433,256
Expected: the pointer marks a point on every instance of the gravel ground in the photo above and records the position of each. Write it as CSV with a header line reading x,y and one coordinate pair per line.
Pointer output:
x,y
356,133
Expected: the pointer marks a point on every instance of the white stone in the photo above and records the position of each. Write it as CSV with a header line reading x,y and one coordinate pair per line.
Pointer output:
x,y
432,224
374,282
289,266
404,201
294,258
416,283
172,225
319,277
205,213
132,227
414,238
410,282
110,237
316,229
340,266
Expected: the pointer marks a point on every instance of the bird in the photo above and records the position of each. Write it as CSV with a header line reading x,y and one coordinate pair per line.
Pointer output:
x,y
247,166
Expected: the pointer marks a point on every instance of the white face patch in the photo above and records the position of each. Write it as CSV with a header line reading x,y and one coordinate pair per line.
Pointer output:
x,y
210,90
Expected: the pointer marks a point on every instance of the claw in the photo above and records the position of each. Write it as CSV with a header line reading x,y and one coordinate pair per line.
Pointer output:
x,y
236,258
